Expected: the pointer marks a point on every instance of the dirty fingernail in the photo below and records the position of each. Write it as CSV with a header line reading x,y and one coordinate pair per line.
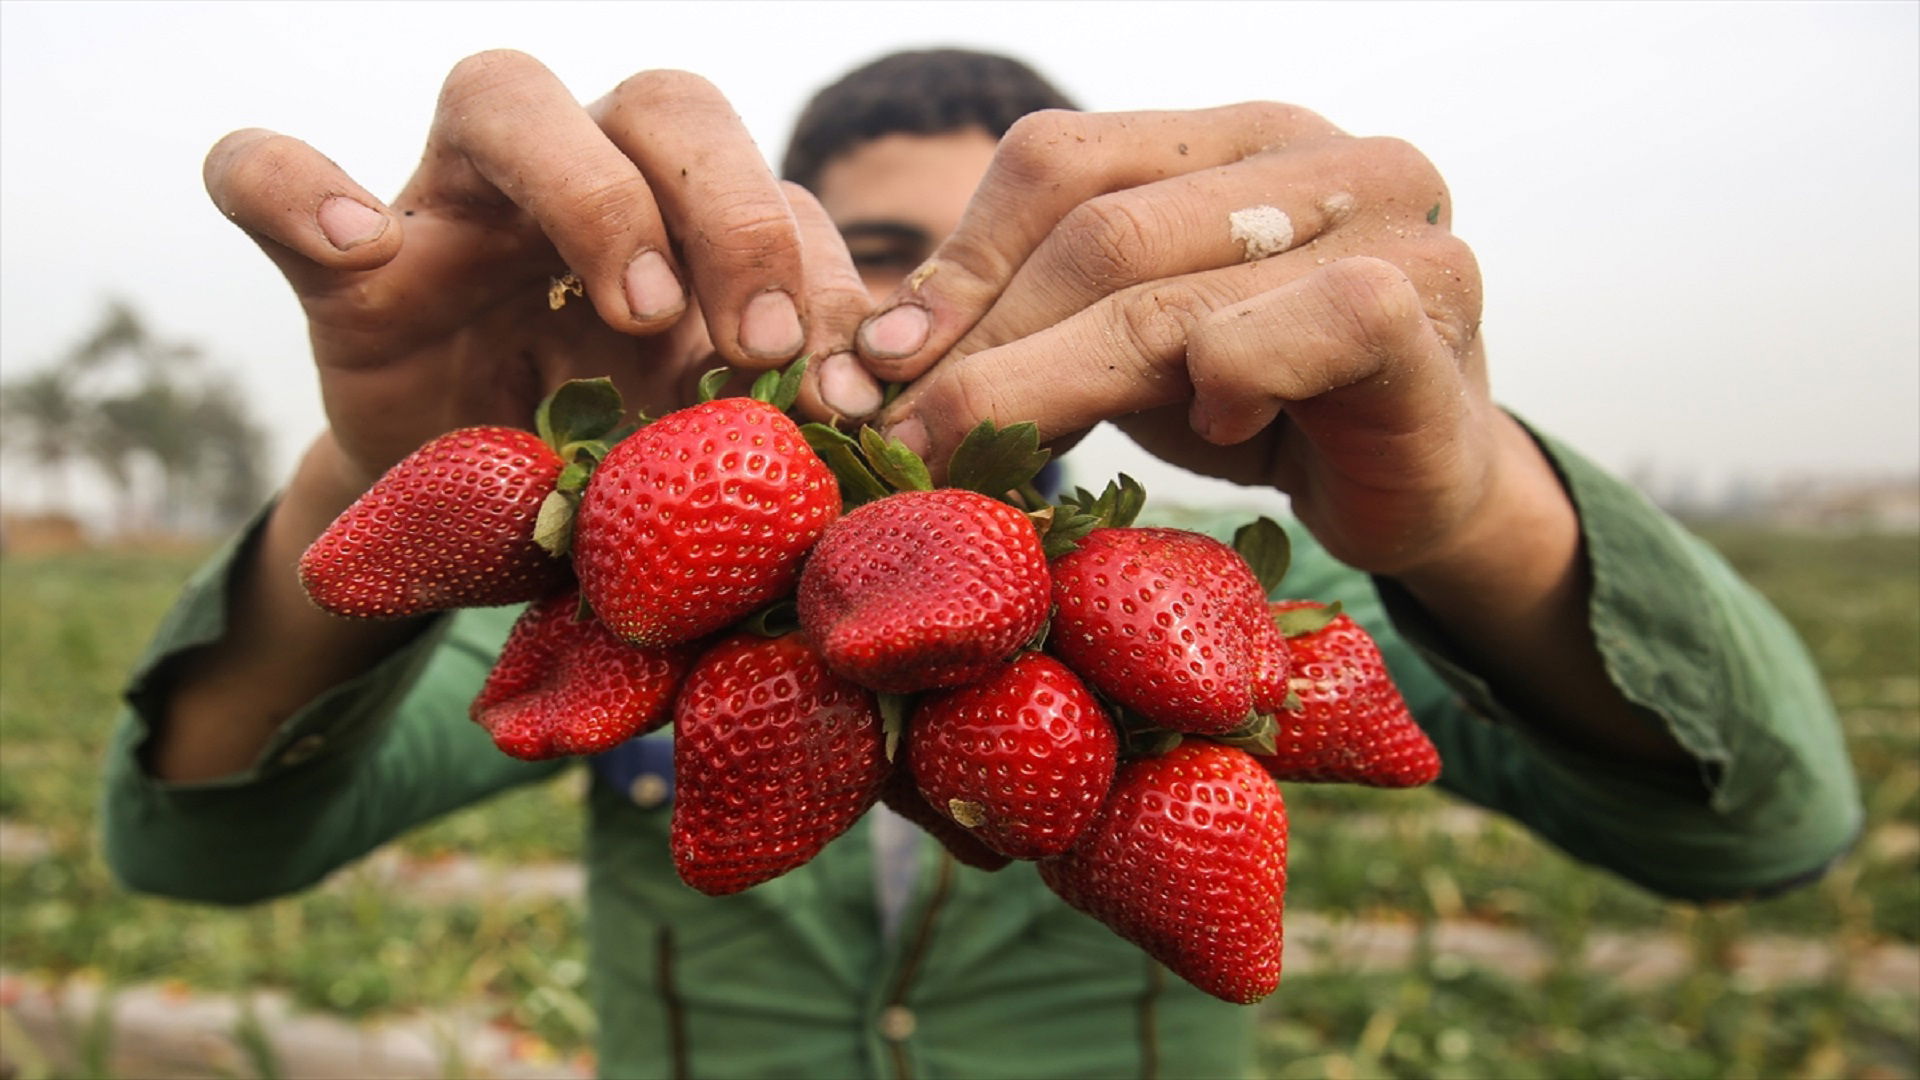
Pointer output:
x,y
912,432
900,332
652,290
770,327
846,387
347,223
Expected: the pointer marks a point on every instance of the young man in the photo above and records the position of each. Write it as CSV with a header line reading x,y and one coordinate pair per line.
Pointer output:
x,y
1247,291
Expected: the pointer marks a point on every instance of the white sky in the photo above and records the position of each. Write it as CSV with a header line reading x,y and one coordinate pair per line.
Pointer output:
x,y
1699,225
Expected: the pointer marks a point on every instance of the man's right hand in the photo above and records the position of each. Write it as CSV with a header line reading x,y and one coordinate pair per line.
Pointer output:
x,y
432,312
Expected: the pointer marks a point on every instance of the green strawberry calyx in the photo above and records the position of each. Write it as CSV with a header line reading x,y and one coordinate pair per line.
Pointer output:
x,y
779,387
1263,544
992,460
1256,735
1306,621
583,419
1070,520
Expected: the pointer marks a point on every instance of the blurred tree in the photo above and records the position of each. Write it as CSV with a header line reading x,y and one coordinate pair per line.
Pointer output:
x,y
173,439
44,416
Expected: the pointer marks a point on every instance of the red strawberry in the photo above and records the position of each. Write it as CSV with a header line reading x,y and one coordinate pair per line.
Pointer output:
x,y
1022,758
1352,725
901,794
773,757
1188,860
698,519
924,589
1272,663
450,525
565,685
1161,621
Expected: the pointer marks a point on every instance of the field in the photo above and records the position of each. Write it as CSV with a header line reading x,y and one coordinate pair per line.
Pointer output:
x,y
1427,940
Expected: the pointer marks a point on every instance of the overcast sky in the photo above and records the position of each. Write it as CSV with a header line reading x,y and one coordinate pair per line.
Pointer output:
x,y
1698,224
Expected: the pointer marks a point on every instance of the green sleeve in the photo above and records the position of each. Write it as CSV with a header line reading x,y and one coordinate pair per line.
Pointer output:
x,y
355,767
1699,653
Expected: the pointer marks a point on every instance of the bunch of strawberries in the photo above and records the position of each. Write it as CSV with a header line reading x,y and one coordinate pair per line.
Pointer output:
x,y
825,630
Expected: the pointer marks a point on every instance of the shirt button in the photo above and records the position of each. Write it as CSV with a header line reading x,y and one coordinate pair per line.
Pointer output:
x,y
648,790
302,749
897,1023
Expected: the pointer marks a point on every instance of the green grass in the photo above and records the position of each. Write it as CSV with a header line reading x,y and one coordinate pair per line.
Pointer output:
x,y
71,627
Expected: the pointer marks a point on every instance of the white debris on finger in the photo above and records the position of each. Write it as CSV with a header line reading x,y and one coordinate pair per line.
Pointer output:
x,y
1261,231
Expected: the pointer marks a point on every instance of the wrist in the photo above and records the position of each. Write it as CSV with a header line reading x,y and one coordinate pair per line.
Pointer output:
x,y
1522,539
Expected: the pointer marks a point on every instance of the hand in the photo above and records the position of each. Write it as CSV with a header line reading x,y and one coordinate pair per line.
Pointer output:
x,y
432,312
1116,267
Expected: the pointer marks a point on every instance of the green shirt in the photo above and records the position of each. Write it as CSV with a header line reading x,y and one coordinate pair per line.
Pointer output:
x,y
989,973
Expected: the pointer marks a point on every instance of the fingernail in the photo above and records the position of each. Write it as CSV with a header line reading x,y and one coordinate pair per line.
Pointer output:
x,y
847,388
912,432
770,327
900,332
652,290
347,223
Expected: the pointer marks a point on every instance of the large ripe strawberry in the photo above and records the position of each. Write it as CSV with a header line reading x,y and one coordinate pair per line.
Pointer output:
x,y
1188,860
698,519
773,757
566,685
451,525
1023,758
924,589
1351,725
903,797
1161,621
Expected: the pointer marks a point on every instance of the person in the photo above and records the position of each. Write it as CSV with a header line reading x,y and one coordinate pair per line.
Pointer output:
x,y
1247,291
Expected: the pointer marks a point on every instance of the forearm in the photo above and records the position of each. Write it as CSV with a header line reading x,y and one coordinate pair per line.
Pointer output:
x,y
1513,595
280,651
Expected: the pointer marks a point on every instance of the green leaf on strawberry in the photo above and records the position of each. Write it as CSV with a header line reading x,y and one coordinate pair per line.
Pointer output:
x,y
713,382
553,529
781,388
899,466
1309,619
858,484
577,412
1256,736
1264,544
993,460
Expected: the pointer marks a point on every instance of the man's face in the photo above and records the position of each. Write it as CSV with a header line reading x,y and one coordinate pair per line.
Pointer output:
x,y
895,198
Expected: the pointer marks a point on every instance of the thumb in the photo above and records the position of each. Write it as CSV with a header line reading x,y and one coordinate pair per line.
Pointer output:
x,y
304,211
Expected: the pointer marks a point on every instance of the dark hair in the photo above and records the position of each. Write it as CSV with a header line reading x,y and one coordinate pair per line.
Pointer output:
x,y
921,92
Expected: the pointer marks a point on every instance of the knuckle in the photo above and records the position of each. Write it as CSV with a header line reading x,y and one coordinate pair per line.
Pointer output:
x,y
501,74
1109,243
1397,162
485,71
665,89
1447,275
612,206
254,164
747,226
970,266
1268,124
1369,302
971,396
1037,147
1160,318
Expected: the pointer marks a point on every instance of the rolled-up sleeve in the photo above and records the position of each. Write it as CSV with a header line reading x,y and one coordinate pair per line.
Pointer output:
x,y
1697,651
361,763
